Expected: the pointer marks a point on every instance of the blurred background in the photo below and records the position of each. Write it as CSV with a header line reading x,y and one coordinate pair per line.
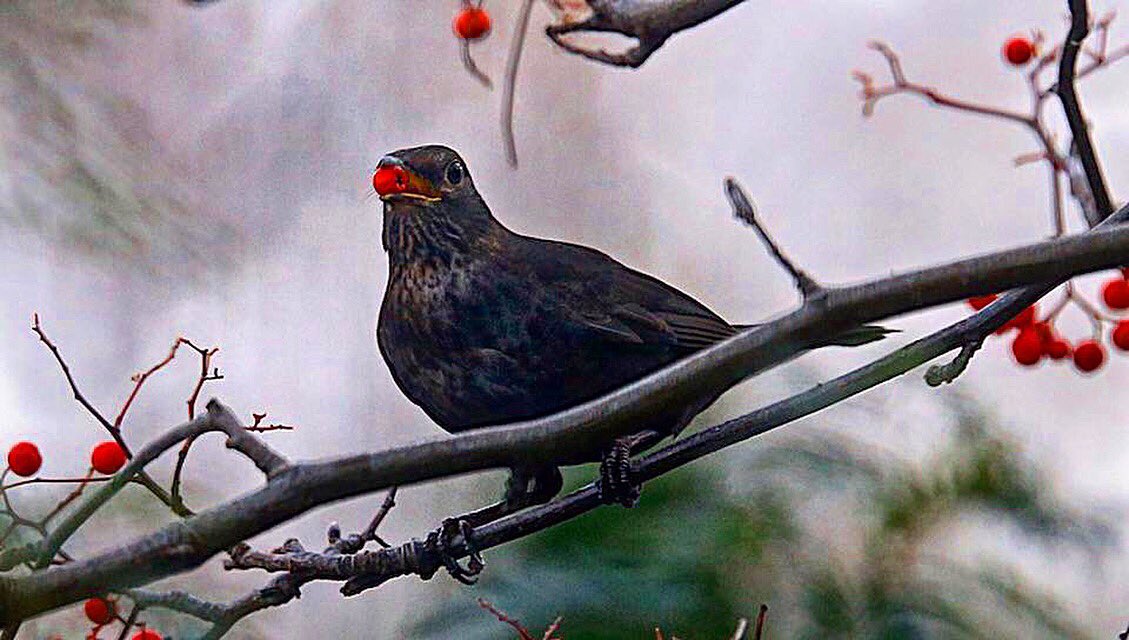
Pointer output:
x,y
204,171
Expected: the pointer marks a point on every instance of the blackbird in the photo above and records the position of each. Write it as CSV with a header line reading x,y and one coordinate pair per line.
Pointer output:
x,y
483,326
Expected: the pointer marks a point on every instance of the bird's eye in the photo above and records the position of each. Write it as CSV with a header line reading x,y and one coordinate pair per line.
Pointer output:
x,y
454,172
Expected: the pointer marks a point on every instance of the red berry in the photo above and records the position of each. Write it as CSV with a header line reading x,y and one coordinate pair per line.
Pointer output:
x,y
1018,50
1115,293
1021,320
390,179
1089,356
1028,347
107,457
99,610
24,459
472,23
147,634
979,302
1120,335
1057,349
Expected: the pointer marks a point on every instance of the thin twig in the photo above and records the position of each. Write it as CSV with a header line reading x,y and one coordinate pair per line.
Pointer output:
x,y
742,627
139,380
127,624
744,210
939,374
471,66
871,94
144,478
522,632
762,615
552,628
509,85
1068,96
203,378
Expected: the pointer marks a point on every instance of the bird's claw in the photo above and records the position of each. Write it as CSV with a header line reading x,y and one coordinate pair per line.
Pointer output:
x,y
475,564
616,485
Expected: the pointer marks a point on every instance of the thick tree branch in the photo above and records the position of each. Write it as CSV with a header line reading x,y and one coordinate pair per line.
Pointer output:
x,y
294,489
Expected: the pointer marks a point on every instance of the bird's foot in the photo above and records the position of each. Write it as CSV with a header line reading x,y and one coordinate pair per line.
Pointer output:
x,y
445,540
616,484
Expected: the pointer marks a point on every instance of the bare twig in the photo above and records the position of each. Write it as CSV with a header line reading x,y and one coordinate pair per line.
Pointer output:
x,y
130,620
744,210
509,86
114,431
762,615
872,93
939,374
553,627
522,632
257,425
1068,95
471,66
139,380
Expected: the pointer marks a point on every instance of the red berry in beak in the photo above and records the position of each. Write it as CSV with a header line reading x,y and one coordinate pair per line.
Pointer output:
x,y
390,179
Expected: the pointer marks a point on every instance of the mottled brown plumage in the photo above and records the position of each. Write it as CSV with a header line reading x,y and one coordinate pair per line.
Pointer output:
x,y
483,326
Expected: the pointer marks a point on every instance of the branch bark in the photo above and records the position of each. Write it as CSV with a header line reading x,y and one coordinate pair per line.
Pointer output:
x,y
294,489
1068,95
649,22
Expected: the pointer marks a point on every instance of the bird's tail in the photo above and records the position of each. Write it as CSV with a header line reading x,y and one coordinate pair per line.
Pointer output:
x,y
865,334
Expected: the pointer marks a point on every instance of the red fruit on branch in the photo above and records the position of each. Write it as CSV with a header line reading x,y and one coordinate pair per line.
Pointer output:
x,y
1057,349
107,457
979,302
1120,335
99,610
1028,347
1089,356
472,23
1018,50
1115,293
24,459
1022,319
147,634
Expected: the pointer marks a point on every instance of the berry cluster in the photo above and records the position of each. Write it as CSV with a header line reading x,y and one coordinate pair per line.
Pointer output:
x,y
1036,336
104,611
1036,339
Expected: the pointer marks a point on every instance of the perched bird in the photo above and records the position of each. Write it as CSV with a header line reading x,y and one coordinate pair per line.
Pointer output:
x,y
483,326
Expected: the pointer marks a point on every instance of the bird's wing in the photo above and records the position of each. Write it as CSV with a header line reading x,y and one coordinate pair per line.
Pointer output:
x,y
627,306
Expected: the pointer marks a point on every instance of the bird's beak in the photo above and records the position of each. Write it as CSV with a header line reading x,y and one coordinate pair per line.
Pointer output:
x,y
395,180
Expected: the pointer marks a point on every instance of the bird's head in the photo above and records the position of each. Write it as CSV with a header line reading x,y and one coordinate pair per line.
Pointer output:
x,y
422,177
431,208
